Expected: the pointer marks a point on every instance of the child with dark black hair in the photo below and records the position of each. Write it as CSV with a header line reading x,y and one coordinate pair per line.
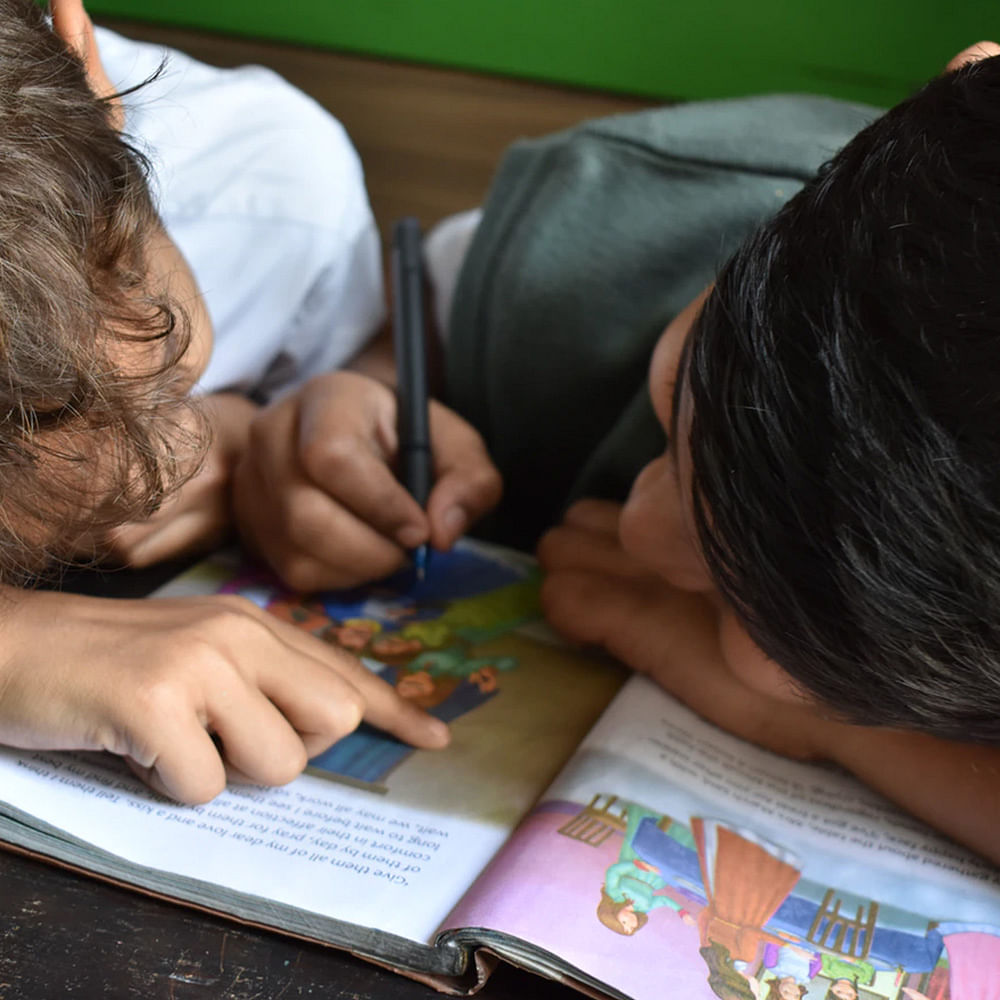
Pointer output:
x,y
813,562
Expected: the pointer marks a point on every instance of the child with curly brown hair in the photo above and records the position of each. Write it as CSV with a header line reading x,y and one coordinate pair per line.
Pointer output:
x,y
120,421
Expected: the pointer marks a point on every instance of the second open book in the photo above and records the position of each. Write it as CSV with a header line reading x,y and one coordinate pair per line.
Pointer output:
x,y
591,830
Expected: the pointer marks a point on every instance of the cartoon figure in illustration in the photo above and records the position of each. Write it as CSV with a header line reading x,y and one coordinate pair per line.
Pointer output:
x,y
395,647
353,634
306,615
790,965
842,989
725,980
785,988
632,885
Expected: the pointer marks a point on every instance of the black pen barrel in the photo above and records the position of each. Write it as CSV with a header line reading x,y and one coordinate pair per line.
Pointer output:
x,y
409,338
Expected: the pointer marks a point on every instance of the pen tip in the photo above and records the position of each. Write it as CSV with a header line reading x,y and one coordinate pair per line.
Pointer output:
x,y
420,562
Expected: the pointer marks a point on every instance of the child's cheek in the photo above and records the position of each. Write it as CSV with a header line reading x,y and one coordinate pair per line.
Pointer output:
x,y
652,529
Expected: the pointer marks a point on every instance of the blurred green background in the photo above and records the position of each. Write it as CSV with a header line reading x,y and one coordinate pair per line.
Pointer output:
x,y
876,51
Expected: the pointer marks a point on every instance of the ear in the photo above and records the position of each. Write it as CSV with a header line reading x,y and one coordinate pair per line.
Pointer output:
x,y
752,666
73,25
981,50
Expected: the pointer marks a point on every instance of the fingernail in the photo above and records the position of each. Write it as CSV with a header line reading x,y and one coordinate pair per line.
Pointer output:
x,y
454,520
410,536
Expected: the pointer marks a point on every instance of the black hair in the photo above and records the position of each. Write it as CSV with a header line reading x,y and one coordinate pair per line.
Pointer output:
x,y
845,439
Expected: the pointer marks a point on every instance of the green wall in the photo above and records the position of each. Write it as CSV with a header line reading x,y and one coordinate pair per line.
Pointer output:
x,y
875,51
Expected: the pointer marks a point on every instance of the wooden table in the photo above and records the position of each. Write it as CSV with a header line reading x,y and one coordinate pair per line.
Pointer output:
x,y
65,935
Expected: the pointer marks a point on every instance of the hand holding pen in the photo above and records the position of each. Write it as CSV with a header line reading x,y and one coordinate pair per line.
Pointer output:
x,y
317,493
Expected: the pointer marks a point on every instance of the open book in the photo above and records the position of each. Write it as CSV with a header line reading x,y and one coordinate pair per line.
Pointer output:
x,y
580,825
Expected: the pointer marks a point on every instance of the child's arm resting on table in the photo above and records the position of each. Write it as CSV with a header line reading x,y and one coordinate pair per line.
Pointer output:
x,y
596,593
187,690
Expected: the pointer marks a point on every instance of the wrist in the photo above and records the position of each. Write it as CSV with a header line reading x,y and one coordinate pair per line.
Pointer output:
x,y
229,416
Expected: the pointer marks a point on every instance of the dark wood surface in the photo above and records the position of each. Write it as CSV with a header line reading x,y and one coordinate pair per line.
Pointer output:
x,y
68,935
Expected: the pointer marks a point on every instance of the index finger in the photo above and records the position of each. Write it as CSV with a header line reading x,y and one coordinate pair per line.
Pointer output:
x,y
384,707
363,484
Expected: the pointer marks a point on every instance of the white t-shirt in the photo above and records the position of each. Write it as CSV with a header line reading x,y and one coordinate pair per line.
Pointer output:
x,y
263,193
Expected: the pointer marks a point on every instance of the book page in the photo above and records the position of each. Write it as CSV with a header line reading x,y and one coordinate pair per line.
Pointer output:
x,y
313,845
375,833
670,858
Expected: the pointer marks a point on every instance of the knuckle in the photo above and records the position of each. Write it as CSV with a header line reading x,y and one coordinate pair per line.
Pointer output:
x,y
468,440
138,558
206,789
489,486
223,622
549,596
349,711
228,611
561,593
161,693
287,766
309,520
259,433
300,572
550,547
213,474
328,456
341,714
327,384
584,511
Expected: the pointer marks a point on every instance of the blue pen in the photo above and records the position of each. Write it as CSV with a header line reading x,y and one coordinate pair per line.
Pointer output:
x,y
409,339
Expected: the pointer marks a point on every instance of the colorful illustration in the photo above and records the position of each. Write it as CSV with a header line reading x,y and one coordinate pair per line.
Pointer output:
x,y
421,636
755,925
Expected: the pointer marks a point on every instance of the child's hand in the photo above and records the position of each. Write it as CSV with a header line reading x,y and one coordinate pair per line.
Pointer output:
x,y
187,690
198,517
316,496
595,593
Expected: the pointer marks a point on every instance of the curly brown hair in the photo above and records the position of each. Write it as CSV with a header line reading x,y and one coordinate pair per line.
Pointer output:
x,y
96,427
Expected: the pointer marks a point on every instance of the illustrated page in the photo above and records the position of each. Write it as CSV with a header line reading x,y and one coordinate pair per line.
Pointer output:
x,y
671,859
375,833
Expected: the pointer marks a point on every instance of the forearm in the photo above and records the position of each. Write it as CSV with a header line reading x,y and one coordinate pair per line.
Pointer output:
x,y
229,415
376,359
951,786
